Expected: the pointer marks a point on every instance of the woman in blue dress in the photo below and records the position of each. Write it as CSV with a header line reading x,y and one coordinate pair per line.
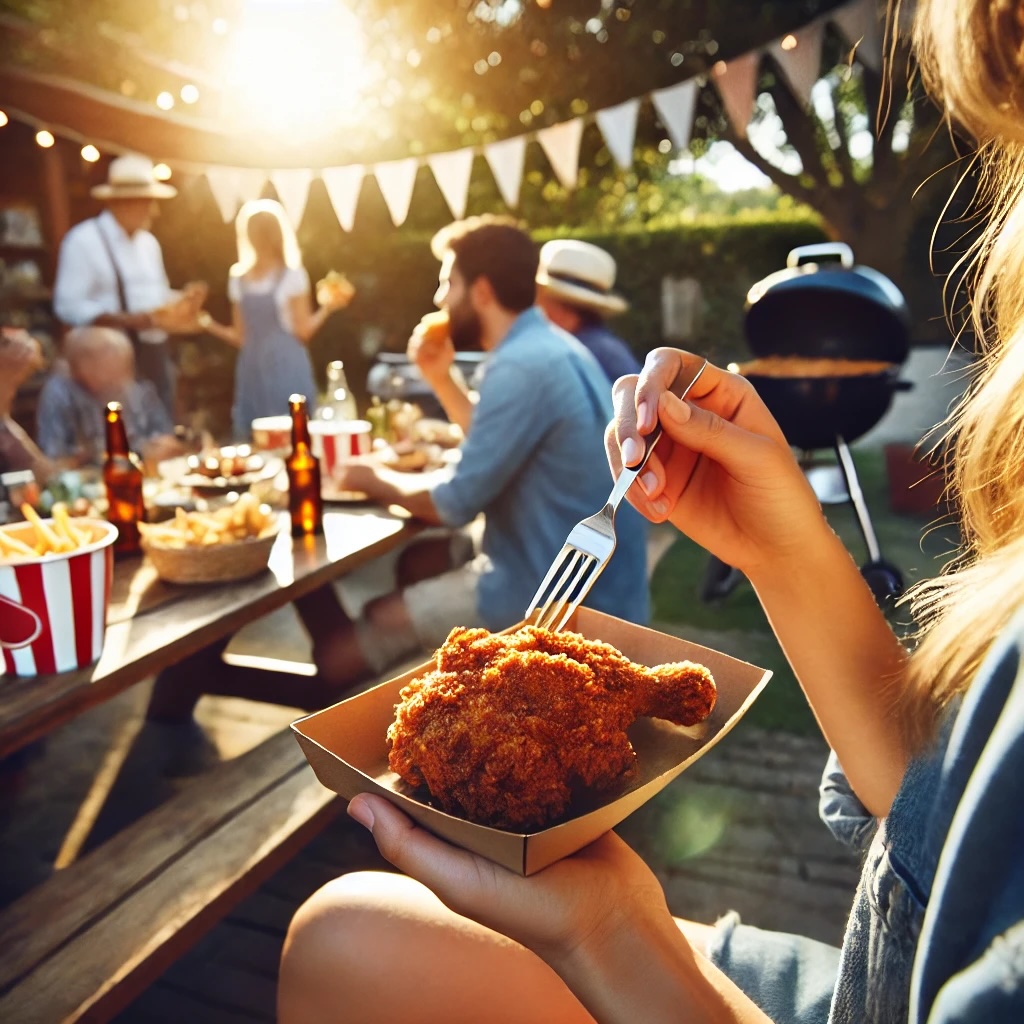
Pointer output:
x,y
272,318
928,745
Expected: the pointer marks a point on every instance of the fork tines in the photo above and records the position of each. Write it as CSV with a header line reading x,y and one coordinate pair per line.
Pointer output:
x,y
572,586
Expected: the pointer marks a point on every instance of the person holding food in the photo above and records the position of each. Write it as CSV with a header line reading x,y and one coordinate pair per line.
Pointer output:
x,y
574,288
20,357
272,316
99,367
110,273
531,462
928,745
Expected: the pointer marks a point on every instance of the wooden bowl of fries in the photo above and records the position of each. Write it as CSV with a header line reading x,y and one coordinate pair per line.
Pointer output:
x,y
232,543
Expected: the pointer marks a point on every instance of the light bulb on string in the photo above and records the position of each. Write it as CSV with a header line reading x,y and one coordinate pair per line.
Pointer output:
x,y
45,138
90,154
161,172
3,119
165,101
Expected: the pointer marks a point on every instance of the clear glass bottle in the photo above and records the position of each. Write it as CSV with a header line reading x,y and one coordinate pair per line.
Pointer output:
x,y
339,402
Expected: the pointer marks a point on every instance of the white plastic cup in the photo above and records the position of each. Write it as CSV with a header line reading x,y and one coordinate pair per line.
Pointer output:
x,y
272,433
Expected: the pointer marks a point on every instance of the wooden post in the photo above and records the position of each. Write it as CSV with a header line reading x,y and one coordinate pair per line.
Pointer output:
x,y
55,194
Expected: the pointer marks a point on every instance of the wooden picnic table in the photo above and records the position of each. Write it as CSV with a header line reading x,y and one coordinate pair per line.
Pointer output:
x,y
82,944
152,625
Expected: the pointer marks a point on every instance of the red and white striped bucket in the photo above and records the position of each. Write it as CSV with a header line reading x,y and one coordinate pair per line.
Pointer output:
x,y
61,600
337,441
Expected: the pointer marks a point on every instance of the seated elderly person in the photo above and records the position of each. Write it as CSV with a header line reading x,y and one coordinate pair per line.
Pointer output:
x,y
20,357
100,368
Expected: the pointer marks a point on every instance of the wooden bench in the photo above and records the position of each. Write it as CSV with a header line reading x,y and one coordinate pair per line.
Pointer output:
x,y
86,942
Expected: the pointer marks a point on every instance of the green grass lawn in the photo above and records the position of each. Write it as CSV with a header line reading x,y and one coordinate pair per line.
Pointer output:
x,y
737,625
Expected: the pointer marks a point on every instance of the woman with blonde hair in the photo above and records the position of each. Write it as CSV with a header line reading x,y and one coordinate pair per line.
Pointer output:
x,y
272,318
928,746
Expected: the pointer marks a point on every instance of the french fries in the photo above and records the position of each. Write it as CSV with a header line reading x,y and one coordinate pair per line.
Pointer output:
x,y
39,538
243,520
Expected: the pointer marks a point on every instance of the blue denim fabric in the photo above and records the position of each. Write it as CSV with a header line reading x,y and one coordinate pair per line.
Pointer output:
x,y
936,933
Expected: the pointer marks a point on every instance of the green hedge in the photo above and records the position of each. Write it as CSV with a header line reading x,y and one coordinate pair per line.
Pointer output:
x,y
395,276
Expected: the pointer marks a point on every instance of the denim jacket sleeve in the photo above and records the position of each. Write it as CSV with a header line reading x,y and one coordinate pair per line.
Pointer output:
x,y
846,817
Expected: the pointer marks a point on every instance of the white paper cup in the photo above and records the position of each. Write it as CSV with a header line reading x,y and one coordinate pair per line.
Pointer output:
x,y
335,442
67,594
272,433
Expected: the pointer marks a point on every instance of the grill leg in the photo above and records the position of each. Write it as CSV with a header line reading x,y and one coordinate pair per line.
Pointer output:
x,y
857,497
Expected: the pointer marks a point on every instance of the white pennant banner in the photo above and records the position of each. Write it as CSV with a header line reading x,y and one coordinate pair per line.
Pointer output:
x,y
675,107
396,180
618,126
452,172
226,185
506,163
561,143
801,64
861,28
343,185
292,187
737,85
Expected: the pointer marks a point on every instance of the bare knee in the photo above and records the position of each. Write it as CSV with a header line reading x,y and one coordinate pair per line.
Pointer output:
x,y
331,940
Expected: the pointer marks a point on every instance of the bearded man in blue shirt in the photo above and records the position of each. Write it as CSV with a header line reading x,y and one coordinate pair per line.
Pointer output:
x,y
532,462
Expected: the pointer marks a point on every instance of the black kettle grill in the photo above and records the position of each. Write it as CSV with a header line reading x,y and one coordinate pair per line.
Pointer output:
x,y
832,311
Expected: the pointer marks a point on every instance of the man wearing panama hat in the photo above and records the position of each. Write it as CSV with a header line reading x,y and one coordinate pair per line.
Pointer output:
x,y
110,272
574,288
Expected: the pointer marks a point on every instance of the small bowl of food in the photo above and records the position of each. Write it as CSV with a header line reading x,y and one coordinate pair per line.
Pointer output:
x,y
231,543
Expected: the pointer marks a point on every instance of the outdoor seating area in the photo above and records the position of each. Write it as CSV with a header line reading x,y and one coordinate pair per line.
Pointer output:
x,y
509,511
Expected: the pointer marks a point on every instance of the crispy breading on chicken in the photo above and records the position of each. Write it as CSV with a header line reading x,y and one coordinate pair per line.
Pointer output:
x,y
506,728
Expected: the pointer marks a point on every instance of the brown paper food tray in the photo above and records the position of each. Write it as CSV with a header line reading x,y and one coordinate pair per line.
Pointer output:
x,y
347,747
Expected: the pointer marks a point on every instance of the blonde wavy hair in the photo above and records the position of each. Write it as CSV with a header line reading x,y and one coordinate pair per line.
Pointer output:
x,y
261,215
971,55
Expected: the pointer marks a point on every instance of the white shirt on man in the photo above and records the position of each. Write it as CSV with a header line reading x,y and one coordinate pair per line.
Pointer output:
x,y
86,285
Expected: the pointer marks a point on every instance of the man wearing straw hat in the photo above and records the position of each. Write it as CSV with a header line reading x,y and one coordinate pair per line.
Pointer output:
x,y
110,272
574,288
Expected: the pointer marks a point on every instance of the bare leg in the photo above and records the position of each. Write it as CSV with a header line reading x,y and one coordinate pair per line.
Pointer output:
x,y
372,946
339,658
375,946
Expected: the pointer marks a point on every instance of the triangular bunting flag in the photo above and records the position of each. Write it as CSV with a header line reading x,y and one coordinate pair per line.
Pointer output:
x,y
226,185
396,180
343,185
860,26
561,143
675,107
292,187
506,163
800,64
737,85
452,172
618,126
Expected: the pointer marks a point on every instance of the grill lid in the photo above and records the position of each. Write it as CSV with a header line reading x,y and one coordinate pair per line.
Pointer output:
x,y
827,310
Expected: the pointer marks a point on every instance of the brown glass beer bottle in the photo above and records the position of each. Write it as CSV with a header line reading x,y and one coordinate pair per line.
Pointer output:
x,y
122,476
304,501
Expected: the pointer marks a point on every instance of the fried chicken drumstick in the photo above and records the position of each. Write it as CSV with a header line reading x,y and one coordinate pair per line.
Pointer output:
x,y
506,728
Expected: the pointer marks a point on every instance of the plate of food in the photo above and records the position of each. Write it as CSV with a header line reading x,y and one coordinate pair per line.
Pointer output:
x,y
229,468
661,703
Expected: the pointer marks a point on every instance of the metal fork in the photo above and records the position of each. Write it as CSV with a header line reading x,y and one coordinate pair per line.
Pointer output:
x,y
590,544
